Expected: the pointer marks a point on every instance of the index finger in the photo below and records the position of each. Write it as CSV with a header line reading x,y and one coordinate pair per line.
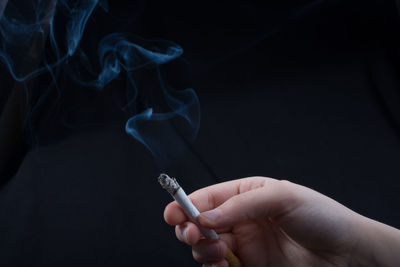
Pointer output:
x,y
210,197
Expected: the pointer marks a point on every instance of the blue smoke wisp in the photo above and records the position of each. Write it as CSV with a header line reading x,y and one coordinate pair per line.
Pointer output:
x,y
42,37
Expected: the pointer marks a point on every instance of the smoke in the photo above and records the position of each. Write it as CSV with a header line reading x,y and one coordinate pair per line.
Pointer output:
x,y
43,38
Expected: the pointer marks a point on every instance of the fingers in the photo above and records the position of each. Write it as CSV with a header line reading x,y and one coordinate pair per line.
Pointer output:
x,y
212,196
174,215
222,263
275,198
190,234
214,252
209,251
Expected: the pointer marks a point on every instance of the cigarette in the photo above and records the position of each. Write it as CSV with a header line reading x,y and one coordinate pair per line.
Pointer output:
x,y
176,191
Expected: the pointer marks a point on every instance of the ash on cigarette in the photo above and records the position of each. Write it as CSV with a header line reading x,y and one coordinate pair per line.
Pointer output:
x,y
168,183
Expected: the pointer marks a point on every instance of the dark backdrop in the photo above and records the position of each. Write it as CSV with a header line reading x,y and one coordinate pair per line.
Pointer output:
x,y
301,90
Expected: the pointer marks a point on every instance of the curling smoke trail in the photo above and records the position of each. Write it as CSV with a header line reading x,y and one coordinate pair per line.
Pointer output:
x,y
43,37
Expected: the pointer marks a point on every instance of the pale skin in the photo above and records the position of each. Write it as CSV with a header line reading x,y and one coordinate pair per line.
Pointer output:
x,y
267,222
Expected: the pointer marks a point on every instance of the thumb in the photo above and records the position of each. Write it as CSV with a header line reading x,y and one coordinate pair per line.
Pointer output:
x,y
273,200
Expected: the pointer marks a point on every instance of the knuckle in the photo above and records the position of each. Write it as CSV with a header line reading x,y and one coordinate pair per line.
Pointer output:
x,y
286,187
289,190
209,251
220,251
286,183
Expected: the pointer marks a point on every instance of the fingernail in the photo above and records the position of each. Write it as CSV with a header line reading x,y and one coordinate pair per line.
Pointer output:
x,y
210,216
184,235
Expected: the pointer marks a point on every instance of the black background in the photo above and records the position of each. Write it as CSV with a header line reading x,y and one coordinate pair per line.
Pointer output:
x,y
306,91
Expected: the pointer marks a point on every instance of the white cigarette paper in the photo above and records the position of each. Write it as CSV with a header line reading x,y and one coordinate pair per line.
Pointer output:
x,y
191,211
172,186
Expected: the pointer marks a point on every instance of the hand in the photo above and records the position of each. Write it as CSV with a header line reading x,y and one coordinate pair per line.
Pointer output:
x,y
267,222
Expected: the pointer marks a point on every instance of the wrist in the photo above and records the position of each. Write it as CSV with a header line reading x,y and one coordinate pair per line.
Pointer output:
x,y
378,244
363,251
